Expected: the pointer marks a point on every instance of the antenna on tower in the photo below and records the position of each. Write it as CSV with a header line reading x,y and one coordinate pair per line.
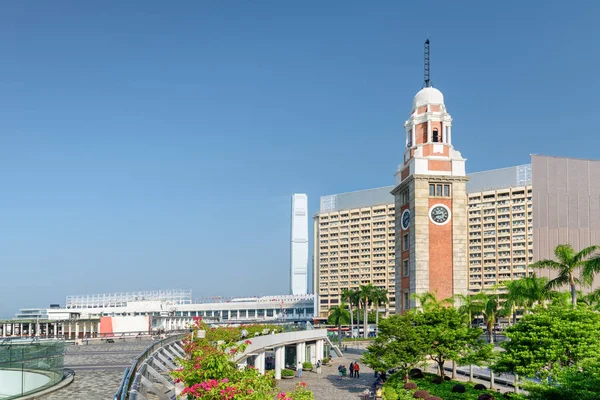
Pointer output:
x,y
427,76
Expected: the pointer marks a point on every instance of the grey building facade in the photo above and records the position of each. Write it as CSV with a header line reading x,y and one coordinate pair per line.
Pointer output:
x,y
566,204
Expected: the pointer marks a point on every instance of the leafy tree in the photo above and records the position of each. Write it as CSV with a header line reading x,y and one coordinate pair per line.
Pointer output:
x,y
549,340
571,383
366,295
448,335
339,316
400,344
569,266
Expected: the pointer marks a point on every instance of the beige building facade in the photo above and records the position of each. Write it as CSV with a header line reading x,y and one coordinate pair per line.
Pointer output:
x,y
354,240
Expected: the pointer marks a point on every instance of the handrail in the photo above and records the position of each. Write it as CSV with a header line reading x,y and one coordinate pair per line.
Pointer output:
x,y
130,372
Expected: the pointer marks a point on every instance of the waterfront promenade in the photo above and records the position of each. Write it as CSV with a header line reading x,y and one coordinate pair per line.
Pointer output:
x,y
98,369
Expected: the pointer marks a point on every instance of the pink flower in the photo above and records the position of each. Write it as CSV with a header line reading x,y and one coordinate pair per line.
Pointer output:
x,y
224,380
248,342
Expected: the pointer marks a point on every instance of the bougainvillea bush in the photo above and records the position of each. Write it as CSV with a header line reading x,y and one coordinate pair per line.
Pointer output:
x,y
209,373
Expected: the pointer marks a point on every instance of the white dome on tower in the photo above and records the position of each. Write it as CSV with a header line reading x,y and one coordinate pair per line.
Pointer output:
x,y
427,95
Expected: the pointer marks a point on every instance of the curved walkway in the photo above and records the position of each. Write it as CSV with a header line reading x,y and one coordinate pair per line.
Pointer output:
x,y
328,386
98,369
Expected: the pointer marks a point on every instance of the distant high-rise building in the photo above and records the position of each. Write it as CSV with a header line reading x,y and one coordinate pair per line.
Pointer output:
x,y
299,248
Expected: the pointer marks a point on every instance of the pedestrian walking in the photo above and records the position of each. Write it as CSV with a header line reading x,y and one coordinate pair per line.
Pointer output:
x,y
318,367
351,368
356,370
299,369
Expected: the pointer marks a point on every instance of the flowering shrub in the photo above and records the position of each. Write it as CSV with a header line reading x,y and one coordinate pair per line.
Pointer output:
x,y
209,373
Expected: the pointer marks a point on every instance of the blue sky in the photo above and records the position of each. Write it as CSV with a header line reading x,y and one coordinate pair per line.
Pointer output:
x,y
148,145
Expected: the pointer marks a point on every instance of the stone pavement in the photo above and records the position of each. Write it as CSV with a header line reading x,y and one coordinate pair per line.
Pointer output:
x,y
327,386
98,369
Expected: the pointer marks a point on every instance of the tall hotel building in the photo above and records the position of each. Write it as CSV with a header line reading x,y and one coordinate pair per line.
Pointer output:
x,y
500,226
354,237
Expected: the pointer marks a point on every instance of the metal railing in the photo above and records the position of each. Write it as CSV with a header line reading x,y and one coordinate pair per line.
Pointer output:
x,y
143,372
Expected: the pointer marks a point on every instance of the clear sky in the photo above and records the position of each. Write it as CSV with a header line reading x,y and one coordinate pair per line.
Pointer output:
x,y
151,144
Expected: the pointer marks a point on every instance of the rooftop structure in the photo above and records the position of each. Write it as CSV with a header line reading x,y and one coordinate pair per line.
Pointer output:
x,y
358,199
174,296
501,178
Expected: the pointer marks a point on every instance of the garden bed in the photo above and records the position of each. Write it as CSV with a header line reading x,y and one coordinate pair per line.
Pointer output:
x,y
394,389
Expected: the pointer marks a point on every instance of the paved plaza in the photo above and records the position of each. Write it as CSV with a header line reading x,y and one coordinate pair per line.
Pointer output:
x,y
328,386
98,369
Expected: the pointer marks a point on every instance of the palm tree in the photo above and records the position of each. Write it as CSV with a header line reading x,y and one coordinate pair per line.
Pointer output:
x,y
491,312
569,264
470,305
351,297
592,299
366,294
514,298
429,301
379,298
592,265
339,316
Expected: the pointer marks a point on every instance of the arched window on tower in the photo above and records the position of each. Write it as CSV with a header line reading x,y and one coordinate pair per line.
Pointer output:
x,y
436,136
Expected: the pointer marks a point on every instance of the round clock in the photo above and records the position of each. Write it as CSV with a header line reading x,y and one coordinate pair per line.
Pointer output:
x,y
439,214
405,220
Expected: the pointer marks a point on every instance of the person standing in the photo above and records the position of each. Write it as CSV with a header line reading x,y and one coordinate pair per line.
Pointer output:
x,y
299,369
351,370
318,367
356,370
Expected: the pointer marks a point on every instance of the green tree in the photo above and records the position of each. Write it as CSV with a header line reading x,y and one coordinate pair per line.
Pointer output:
x,y
570,265
400,344
448,335
379,298
339,316
366,296
550,342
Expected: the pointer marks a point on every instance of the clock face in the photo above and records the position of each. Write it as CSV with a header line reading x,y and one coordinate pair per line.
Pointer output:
x,y
405,220
439,214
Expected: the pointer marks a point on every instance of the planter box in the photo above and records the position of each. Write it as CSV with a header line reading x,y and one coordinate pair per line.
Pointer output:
x,y
307,369
287,377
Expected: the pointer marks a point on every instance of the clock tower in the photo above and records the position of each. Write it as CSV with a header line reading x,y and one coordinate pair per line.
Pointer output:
x,y
431,204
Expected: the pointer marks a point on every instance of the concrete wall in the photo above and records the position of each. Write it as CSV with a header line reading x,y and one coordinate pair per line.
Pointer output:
x,y
566,205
